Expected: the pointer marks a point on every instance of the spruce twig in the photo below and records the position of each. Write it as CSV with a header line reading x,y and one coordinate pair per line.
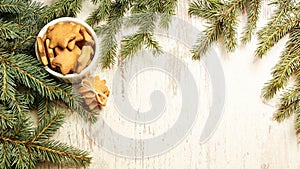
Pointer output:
x,y
222,23
25,85
24,151
284,22
111,16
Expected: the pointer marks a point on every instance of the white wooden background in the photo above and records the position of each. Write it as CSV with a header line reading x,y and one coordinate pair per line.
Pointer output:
x,y
246,138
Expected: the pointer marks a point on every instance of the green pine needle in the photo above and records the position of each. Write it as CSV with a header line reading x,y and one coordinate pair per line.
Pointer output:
x,y
61,8
25,85
289,103
11,6
267,39
206,38
23,147
205,9
284,22
7,119
297,121
101,13
253,11
47,127
283,70
110,16
222,19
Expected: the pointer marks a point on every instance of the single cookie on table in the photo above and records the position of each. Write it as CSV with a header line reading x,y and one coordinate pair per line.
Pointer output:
x,y
102,91
66,59
62,33
93,91
41,51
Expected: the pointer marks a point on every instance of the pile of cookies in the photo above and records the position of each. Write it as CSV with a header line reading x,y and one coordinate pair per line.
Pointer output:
x,y
66,47
94,92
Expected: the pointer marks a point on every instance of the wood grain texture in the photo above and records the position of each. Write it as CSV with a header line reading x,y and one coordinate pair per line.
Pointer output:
x,y
246,138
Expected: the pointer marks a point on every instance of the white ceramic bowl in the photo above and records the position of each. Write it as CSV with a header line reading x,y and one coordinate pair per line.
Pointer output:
x,y
74,77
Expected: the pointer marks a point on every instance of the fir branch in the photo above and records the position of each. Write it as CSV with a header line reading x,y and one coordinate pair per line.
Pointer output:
x,y
95,1
168,10
283,70
7,120
205,9
11,6
45,107
108,49
112,14
229,33
20,159
144,36
62,8
206,38
253,11
4,156
56,152
283,7
270,38
7,89
24,82
289,102
47,127
284,21
22,130
18,104
30,17
222,20
9,30
133,43
297,121
27,148
29,72
74,102
101,13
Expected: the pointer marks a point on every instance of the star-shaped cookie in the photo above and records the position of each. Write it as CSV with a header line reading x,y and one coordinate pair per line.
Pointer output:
x,y
62,33
66,59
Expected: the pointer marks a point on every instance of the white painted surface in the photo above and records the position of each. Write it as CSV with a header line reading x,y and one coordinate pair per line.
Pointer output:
x,y
246,138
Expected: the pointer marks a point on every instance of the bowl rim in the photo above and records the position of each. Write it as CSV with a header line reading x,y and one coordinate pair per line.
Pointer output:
x,y
96,52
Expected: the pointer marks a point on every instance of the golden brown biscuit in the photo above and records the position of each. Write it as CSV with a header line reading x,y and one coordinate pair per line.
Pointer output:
x,y
93,105
50,53
66,59
62,33
41,51
78,36
84,58
86,36
93,91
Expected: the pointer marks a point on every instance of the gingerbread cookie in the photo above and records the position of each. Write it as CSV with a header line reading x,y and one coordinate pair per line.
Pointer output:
x,y
41,51
77,38
93,91
50,53
66,59
84,58
87,37
62,33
